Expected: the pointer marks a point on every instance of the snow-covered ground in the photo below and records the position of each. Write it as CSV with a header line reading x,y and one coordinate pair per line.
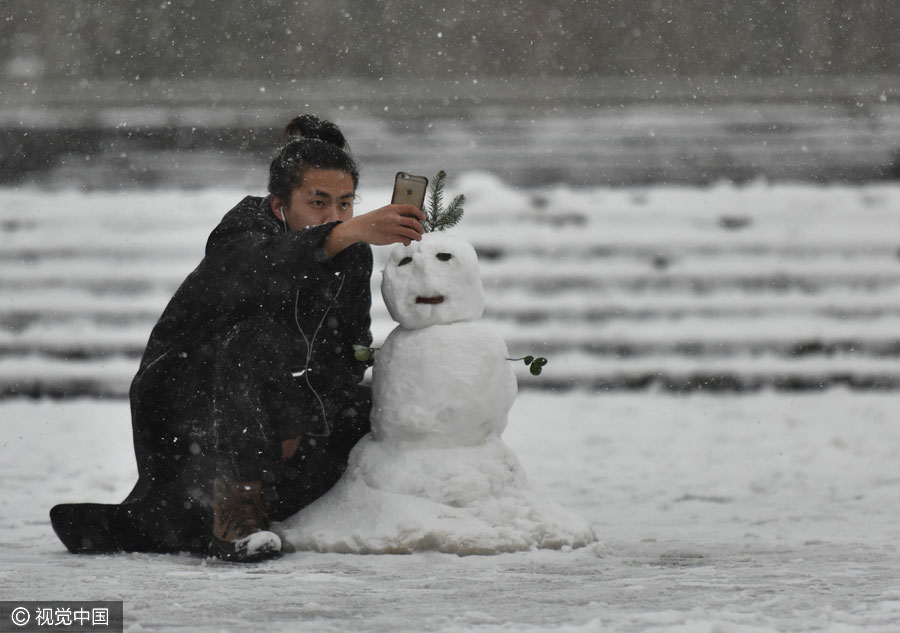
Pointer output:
x,y
716,514
749,510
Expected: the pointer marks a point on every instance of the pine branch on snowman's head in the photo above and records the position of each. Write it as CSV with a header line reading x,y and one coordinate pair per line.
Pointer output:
x,y
435,281
437,216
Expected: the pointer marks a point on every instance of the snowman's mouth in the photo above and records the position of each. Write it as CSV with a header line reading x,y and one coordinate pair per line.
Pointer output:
x,y
431,300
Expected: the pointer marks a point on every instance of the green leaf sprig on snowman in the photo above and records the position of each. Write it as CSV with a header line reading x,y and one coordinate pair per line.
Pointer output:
x,y
437,216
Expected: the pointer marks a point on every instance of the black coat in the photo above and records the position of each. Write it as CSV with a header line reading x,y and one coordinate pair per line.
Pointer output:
x,y
255,347
255,267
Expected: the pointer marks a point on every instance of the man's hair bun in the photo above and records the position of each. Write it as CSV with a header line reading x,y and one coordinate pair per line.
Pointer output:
x,y
309,143
312,127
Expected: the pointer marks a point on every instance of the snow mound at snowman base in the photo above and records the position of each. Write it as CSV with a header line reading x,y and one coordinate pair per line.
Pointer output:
x,y
397,499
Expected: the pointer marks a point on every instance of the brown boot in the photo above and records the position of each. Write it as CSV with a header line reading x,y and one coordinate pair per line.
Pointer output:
x,y
240,526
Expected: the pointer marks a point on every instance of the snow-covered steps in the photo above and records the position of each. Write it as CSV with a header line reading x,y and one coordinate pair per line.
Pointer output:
x,y
37,375
741,372
703,336
735,288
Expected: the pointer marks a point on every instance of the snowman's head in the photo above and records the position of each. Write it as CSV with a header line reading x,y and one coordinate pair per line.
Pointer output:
x,y
435,281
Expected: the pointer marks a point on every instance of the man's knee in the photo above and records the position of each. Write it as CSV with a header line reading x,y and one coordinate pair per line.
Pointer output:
x,y
249,354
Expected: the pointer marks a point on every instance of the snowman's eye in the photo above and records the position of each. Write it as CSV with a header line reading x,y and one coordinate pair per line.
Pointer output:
x,y
404,261
444,257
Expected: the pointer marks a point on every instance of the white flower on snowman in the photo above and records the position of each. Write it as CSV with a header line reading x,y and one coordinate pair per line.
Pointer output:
x,y
434,473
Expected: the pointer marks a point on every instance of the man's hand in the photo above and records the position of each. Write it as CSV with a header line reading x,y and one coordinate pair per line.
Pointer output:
x,y
289,447
393,224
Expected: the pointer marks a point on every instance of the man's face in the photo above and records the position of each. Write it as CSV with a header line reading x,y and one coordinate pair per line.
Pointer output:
x,y
325,195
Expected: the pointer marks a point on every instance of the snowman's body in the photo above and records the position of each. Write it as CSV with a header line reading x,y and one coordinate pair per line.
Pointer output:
x,y
434,473
443,385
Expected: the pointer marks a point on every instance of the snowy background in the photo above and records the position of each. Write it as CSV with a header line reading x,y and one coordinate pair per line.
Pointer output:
x,y
691,209
720,405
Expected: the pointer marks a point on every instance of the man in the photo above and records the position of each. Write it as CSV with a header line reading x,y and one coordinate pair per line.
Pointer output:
x,y
248,400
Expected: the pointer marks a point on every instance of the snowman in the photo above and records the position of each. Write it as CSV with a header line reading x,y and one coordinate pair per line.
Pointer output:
x,y
434,473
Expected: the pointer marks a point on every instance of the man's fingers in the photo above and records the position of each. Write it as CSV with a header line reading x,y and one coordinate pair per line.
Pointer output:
x,y
395,223
410,210
418,212
412,223
406,233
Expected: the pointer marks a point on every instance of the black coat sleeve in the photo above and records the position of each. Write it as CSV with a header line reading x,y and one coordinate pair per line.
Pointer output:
x,y
261,270
252,264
